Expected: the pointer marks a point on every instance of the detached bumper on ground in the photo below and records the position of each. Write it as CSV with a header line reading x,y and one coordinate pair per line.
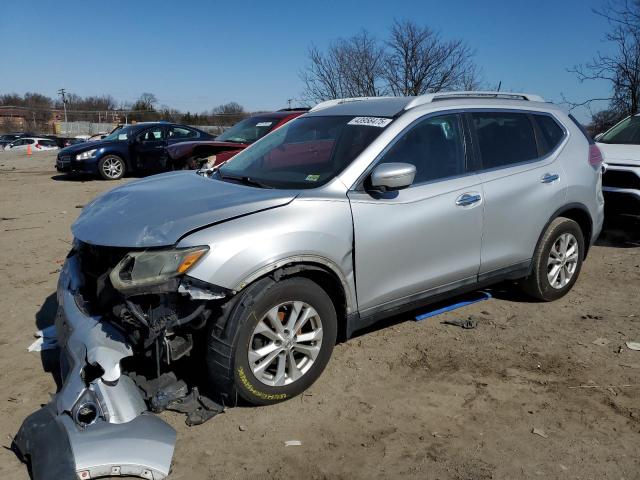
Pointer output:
x,y
98,424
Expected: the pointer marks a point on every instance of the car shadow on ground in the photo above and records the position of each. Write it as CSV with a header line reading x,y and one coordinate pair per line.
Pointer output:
x,y
72,177
620,231
85,177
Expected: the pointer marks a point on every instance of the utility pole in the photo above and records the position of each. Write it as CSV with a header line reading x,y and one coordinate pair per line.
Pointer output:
x,y
62,93
289,102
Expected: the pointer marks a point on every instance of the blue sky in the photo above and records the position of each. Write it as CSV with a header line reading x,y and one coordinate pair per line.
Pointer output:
x,y
196,55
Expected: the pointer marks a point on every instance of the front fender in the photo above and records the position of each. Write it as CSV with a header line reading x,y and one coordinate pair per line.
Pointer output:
x,y
311,231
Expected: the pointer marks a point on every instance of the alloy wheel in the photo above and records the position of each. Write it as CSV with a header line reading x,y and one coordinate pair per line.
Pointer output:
x,y
112,168
285,343
563,260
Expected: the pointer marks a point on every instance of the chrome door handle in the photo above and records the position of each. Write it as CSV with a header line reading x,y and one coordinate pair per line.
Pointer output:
x,y
467,199
549,178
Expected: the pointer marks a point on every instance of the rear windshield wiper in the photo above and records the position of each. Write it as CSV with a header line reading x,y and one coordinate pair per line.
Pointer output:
x,y
244,180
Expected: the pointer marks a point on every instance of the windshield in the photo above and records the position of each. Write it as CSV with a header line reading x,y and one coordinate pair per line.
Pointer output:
x,y
305,153
119,134
249,130
626,132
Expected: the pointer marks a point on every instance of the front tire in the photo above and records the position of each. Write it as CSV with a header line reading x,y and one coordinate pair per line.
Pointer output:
x,y
281,337
111,167
557,261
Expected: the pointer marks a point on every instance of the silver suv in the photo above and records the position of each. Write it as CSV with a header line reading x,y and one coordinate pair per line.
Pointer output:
x,y
358,210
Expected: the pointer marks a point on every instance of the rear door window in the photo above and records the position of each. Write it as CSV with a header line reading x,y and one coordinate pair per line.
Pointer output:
x,y
504,138
552,133
48,143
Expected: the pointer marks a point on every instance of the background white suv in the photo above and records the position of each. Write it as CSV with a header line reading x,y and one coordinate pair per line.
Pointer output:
x,y
620,147
37,144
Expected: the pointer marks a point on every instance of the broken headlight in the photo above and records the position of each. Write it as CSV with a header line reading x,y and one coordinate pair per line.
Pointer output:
x,y
154,267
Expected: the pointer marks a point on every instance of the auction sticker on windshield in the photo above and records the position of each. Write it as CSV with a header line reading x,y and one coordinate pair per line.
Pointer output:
x,y
263,124
370,121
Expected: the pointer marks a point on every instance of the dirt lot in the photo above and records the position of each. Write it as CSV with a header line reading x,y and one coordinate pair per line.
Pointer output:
x,y
412,400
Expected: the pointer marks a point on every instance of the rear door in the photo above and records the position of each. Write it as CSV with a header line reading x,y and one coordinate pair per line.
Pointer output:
x,y
426,238
523,183
150,148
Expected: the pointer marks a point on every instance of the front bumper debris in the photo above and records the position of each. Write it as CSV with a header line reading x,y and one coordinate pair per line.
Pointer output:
x,y
97,424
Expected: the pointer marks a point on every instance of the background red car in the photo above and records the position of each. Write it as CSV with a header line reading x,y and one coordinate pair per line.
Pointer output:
x,y
189,155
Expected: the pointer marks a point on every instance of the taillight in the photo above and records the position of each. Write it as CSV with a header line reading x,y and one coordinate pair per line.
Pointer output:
x,y
37,145
595,156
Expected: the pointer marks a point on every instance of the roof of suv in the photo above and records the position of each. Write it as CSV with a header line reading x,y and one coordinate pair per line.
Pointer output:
x,y
394,106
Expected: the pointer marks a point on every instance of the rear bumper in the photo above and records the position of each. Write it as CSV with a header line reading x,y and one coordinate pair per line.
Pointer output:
x,y
121,437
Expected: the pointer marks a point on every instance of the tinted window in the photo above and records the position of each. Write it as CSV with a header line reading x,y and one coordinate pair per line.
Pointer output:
x,y
29,141
48,143
152,135
626,132
435,146
552,133
18,143
504,138
181,132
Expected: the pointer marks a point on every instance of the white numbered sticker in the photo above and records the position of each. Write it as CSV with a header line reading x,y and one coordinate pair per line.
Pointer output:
x,y
370,121
263,124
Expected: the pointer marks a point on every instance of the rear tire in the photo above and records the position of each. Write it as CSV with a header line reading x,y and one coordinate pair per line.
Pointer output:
x,y
299,345
557,261
111,167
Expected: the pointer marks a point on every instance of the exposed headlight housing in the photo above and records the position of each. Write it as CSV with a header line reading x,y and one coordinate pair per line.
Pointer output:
x,y
154,267
87,155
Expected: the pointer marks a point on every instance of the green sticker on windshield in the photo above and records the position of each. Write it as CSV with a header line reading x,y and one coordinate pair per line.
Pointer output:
x,y
312,178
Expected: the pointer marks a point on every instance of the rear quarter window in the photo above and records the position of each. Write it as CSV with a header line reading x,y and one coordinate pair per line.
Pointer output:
x,y
552,133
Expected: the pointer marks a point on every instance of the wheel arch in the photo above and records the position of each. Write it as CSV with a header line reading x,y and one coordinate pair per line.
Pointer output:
x,y
579,214
321,271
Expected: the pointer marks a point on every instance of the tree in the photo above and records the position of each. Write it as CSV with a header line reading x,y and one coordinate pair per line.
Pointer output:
x,y
351,67
146,102
603,121
414,60
227,114
622,67
419,61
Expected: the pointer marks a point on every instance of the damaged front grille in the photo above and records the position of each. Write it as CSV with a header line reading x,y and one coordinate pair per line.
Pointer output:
x,y
158,320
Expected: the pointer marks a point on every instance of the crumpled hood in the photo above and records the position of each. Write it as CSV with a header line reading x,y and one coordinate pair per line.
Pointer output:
x,y
159,210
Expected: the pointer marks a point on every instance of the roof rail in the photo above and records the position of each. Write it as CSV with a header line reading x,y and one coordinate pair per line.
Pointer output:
x,y
339,101
433,97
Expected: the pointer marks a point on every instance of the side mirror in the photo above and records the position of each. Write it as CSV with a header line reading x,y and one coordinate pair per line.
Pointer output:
x,y
393,176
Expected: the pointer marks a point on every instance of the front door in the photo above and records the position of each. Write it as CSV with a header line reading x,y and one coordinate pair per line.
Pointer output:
x,y
426,238
150,149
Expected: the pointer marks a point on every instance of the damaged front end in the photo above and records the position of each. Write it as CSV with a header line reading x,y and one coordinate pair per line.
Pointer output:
x,y
123,318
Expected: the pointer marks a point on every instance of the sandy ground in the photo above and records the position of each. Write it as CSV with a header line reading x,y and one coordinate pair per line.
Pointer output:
x,y
412,400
